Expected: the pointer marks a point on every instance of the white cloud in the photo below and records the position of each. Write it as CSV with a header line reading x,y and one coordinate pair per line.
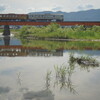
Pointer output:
x,y
86,7
2,8
57,9
89,6
26,6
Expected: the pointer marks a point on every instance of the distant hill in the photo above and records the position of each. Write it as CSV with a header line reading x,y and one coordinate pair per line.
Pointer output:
x,y
88,15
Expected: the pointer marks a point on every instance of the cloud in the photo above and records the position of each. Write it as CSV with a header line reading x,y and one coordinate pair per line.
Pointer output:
x,y
4,90
89,6
86,7
2,8
57,8
80,8
45,94
31,9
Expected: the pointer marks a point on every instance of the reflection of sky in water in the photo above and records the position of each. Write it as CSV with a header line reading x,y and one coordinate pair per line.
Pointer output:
x,y
87,52
9,71
25,77
12,41
4,90
1,41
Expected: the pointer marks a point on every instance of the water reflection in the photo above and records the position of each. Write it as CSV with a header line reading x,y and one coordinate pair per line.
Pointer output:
x,y
41,95
63,45
4,90
6,41
19,80
64,73
13,47
45,94
59,78
16,49
13,51
85,62
48,79
28,78
63,78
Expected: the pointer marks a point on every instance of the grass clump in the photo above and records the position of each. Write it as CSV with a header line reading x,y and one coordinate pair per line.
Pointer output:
x,y
63,78
48,79
85,62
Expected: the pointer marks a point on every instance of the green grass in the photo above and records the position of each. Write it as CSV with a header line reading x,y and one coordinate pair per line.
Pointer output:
x,y
55,31
1,30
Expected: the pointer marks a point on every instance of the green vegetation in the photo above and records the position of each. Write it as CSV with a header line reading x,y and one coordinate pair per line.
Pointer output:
x,y
55,31
52,45
1,30
85,62
63,78
64,72
48,79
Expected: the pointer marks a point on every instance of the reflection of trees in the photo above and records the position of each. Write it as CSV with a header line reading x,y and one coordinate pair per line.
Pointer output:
x,y
52,45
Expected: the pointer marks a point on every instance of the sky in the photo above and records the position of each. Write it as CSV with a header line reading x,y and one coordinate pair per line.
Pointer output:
x,y
26,6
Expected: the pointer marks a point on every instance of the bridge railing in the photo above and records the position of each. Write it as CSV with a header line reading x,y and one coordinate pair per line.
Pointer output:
x,y
46,23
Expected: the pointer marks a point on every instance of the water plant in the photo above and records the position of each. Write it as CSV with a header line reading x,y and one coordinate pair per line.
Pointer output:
x,y
48,79
63,78
85,62
19,80
63,73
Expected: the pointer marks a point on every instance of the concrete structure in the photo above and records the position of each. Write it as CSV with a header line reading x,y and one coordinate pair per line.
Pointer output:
x,y
6,30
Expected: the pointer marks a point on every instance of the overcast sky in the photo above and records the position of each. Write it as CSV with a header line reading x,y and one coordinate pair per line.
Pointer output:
x,y
26,6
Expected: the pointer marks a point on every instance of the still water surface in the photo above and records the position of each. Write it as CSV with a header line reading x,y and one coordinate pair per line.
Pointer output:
x,y
24,73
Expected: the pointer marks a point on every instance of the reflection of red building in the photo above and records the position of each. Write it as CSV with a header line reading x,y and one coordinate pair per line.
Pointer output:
x,y
19,50
13,16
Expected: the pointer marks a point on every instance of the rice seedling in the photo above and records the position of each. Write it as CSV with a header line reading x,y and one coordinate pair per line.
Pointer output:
x,y
19,80
48,79
63,78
